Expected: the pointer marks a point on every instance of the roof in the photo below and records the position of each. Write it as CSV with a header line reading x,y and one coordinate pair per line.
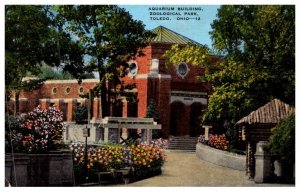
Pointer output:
x,y
271,113
166,35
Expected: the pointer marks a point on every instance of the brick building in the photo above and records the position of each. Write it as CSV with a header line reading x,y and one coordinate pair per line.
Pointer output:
x,y
180,98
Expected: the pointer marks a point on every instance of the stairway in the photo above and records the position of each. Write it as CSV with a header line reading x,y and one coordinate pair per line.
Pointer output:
x,y
187,144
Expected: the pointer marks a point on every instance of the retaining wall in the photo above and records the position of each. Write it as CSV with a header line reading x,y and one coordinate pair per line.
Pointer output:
x,y
221,158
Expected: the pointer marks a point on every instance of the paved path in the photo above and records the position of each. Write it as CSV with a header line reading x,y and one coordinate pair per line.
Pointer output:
x,y
186,170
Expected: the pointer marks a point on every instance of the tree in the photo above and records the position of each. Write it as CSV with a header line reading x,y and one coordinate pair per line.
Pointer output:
x,y
259,63
32,39
109,36
263,37
25,30
48,72
152,111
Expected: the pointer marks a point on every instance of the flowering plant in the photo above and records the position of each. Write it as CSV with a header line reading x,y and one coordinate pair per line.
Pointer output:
x,y
147,156
104,158
116,157
216,141
201,139
161,143
39,130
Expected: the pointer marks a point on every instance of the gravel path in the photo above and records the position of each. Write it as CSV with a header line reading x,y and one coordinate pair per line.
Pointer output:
x,y
186,170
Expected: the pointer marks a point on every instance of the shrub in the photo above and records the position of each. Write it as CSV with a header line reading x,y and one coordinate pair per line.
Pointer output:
x,y
81,114
152,112
282,140
39,131
12,138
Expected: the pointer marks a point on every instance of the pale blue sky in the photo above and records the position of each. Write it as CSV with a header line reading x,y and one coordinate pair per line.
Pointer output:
x,y
197,30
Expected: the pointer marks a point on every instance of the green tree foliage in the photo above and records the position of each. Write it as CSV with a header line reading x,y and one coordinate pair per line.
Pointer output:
x,y
109,36
51,73
48,72
26,29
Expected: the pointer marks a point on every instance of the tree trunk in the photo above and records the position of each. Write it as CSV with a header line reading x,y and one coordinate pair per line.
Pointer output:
x,y
17,103
103,95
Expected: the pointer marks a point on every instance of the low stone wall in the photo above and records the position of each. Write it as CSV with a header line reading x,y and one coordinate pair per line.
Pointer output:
x,y
222,158
53,169
74,133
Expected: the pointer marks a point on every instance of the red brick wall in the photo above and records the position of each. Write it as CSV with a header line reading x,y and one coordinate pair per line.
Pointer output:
x,y
164,105
142,96
46,90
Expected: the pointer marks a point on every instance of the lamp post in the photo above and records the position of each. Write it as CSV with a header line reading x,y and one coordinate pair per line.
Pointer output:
x,y
86,134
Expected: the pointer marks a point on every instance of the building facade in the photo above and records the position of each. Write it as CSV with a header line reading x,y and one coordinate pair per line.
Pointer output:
x,y
179,96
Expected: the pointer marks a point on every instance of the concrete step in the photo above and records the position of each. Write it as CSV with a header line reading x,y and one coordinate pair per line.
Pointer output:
x,y
182,144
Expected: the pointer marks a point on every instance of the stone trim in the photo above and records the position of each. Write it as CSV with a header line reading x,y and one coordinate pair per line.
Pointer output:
x,y
62,100
20,99
160,76
180,93
71,81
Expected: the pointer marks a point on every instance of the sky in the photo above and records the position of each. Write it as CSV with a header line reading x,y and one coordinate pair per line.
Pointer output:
x,y
194,24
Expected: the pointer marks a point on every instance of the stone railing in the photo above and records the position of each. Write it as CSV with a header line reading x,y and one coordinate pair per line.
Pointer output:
x,y
222,158
110,129
52,169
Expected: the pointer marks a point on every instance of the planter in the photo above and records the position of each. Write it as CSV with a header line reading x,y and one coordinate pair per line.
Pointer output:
x,y
140,174
52,169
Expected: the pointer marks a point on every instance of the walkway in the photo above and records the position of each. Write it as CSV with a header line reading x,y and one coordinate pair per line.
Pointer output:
x,y
186,170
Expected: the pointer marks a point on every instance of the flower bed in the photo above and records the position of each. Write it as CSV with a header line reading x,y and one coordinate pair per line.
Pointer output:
x,y
144,159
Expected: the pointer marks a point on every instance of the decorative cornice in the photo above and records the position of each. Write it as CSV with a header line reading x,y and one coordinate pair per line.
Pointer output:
x,y
71,81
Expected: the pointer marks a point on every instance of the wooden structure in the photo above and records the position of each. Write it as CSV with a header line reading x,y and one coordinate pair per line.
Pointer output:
x,y
257,127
